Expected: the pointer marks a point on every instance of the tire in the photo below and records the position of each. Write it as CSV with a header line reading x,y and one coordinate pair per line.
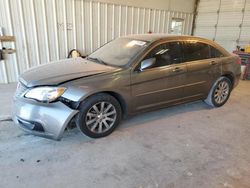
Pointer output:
x,y
217,92
100,110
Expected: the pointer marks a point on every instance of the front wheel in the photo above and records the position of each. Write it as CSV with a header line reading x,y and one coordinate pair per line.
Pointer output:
x,y
99,115
219,93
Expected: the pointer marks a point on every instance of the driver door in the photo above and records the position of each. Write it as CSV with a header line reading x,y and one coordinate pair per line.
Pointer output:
x,y
162,83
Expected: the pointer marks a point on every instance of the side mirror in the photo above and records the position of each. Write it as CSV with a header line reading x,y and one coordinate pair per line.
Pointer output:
x,y
147,63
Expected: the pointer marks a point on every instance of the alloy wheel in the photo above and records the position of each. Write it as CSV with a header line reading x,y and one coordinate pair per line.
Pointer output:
x,y
101,117
221,92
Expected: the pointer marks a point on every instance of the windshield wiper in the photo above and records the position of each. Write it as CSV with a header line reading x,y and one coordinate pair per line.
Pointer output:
x,y
98,60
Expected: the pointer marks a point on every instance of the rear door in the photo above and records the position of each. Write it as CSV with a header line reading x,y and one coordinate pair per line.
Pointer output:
x,y
163,83
202,69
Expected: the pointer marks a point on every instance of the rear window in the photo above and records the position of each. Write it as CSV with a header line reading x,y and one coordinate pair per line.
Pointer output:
x,y
215,53
194,51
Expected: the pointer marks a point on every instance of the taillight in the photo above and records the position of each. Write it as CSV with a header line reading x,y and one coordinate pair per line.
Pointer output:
x,y
238,61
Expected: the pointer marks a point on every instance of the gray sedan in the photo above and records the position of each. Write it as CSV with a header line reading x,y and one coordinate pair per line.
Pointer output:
x,y
128,75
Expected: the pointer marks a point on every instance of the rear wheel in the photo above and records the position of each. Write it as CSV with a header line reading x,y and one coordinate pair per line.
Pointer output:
x,y
99,115
219,93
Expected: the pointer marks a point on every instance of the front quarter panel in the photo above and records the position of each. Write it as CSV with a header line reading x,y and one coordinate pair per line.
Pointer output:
x,y
117,82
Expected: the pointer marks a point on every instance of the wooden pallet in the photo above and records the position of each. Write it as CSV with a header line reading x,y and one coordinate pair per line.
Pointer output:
x,y
7,39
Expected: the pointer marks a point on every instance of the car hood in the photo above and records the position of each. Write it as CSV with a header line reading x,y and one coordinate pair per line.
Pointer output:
x,y
62,71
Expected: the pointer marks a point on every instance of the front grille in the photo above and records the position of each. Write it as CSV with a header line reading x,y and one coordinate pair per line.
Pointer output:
x,y
20,89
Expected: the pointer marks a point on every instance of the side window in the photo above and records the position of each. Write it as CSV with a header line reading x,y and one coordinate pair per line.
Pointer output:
x,y
215,53
166,54
194,51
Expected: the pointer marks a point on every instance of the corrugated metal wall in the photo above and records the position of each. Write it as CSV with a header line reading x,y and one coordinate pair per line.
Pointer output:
x,y
46,30
225,21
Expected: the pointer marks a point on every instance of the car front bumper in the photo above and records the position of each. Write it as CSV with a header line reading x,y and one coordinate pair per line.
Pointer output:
x,y
42,119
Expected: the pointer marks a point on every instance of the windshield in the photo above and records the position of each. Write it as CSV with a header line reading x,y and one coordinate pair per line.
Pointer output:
x,y
118,52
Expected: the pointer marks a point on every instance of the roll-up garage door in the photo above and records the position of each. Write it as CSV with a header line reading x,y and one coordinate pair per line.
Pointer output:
x,y
225,21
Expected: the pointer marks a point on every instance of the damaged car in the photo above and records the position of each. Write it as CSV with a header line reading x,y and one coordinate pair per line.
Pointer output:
x,y
127,76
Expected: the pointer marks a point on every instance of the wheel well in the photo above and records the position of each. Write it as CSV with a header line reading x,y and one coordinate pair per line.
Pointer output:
x,y
230,77
118,97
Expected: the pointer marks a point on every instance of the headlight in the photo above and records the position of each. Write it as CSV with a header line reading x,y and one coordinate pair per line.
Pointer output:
x,y
45,94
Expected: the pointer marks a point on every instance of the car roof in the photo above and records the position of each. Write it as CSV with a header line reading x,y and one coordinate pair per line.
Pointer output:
x,y
159,36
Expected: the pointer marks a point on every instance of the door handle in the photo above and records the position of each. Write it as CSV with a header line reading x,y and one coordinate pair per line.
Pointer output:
x,y
177,69
213,63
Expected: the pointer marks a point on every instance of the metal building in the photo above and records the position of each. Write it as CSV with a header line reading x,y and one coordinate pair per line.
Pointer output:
x,y
46,30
